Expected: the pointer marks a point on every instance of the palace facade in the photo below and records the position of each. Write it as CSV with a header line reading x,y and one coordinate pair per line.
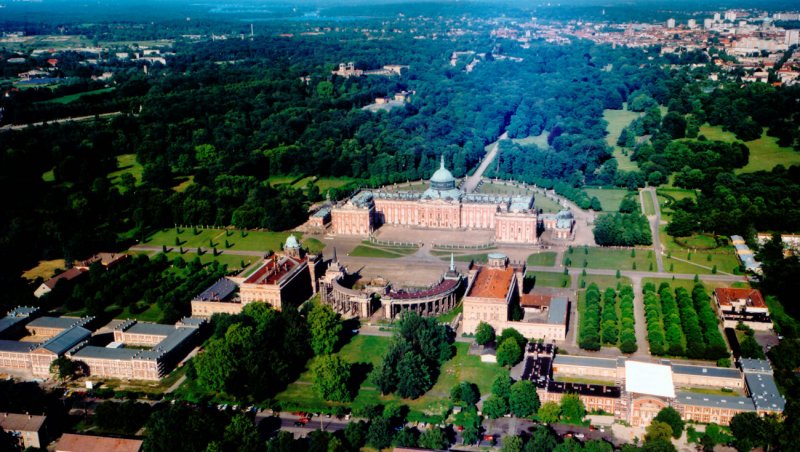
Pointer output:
x,y
443,206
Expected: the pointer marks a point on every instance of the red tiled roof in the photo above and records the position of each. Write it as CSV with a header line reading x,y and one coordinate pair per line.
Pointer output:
x,y
85,443
273,270
68,275
534,301
492,282
725,295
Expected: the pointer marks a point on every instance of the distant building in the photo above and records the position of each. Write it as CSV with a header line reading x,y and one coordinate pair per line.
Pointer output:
x,y
50,284
691,23
348,70
29,430
670,23
85,443
742,305
106,259
442,206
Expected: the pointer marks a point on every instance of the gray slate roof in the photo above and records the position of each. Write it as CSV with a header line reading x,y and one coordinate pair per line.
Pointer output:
x,y
91,351
58,322
715,401
585,361
8,323
153,329
17,346
557,313
719,372
764,391
65,340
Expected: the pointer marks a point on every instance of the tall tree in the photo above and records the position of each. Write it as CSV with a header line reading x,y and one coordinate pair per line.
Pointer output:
x,y
331,378
325,327
524,401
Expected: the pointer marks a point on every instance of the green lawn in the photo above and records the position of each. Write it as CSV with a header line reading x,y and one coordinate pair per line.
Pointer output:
x,y
503,189
697,242
610,198
586,381
365,250
151,314
445,256
615,259
548,259
49,176
649,209
617,120
73,97
727,262
183,183
370,350
326,183
278,180
257,241
126,163
546,204
550,279
539,140
604,281
765,153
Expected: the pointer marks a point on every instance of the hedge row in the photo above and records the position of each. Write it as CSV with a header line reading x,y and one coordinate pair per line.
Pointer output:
x,y
589,336
627,333
673,330
716,346
652,313
610,326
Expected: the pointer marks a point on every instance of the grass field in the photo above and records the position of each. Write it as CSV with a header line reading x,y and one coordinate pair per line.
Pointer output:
x,y
610,198
604,281
503,189
546,204
700,263
539,140
550,279
126,163
183,183
765,153
617,120
666,196
649,208
615,259
370,250
547,259
258,241
445,256
44,269
73,97
151,314
326,183
369,350
49,176
278,180
688,284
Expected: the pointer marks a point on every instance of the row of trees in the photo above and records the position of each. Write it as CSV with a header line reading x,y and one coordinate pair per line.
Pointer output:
x,y
411,365
600,322
682,325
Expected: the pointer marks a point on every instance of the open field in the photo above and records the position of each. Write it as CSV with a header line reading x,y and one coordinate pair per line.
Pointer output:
x,y
617,120
604,281
73,97
550,279
207,238
546,204
503,189
390,252
44,270
326,183
370,350
278,180
183,183
615,259
539,140
151,314
610,198
688,284
126,163
765,153
547,258
725,262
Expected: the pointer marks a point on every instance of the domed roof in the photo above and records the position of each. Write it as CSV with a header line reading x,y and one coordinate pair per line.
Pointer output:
x,y
442,175
292,242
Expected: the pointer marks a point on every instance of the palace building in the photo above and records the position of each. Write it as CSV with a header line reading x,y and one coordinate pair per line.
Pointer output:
x,y
444,206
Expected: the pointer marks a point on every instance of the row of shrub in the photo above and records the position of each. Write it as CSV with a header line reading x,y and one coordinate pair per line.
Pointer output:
x,y
610,321
627,333
680,324
589,336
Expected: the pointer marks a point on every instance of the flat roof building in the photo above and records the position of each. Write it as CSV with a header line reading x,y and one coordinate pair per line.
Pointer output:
x,y
85,443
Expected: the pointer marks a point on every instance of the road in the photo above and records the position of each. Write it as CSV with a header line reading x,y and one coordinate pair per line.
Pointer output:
x,y
58,121
655,222
472,181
